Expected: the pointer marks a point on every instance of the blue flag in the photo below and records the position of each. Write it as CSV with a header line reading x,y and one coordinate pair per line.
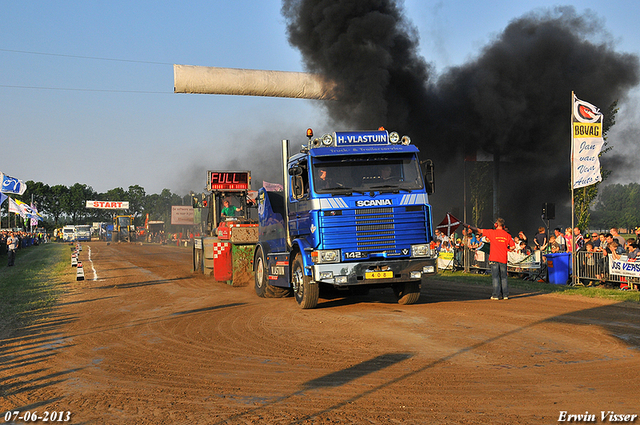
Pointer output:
x,y
10,184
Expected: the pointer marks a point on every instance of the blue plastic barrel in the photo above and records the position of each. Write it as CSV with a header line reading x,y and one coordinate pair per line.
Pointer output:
x,y
558,266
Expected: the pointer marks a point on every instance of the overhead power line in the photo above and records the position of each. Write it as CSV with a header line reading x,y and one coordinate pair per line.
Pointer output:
x,y
83,57
79,89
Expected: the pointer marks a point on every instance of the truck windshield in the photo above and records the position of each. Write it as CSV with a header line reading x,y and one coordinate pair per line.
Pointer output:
x,y
364,173
124,221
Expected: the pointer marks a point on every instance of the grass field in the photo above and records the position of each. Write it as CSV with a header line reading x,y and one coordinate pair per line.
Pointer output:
x,y
33,285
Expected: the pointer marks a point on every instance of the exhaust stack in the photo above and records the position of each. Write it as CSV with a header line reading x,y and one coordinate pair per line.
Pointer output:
x,y
250,82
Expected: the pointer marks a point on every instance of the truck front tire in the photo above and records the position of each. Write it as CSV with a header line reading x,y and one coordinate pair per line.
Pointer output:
x,y
305,291
407,292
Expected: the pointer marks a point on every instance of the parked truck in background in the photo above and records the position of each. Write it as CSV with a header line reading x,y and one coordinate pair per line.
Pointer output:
x,y
354,215
83,232
69,233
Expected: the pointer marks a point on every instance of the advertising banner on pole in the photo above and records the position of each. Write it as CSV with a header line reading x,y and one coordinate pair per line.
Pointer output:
x,y
587,143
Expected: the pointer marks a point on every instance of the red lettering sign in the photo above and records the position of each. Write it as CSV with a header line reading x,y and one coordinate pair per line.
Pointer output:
x,y
229,180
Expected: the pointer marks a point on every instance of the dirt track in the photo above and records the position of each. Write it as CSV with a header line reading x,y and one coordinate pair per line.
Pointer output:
x,y
150,343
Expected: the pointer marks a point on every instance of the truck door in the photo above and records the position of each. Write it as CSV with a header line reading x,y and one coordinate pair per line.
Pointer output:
x,y
299,218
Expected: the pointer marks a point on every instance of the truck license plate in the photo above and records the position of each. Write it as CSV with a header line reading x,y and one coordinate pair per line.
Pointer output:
x,y
378,275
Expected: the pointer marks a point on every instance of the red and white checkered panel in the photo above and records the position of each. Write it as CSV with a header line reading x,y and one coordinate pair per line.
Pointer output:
x,y
219,248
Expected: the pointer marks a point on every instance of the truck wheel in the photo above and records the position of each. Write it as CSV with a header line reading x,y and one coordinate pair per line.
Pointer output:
x,y
260,273
261,280
407,292
305,291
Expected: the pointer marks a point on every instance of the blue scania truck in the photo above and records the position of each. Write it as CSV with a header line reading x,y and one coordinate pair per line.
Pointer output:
x,y
354,215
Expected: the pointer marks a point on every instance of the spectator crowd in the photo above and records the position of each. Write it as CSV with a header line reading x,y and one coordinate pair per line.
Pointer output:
x,y
14,241
591,249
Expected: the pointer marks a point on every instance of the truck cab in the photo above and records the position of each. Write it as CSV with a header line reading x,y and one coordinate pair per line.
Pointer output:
x,y
83,232
354,215
69,233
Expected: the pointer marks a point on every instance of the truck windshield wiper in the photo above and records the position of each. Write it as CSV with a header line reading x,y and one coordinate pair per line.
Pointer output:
x,y
385,186
391,188
341,190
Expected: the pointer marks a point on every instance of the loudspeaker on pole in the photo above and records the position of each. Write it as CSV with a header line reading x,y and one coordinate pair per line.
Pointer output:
x,y
548,211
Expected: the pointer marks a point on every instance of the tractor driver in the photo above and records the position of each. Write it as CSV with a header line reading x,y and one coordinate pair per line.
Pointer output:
x,y
229,210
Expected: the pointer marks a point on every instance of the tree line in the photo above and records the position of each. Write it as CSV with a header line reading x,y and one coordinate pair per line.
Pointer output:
x,y
60,205
617,206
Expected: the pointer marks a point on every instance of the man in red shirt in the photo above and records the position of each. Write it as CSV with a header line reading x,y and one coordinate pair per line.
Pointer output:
x,y
500,244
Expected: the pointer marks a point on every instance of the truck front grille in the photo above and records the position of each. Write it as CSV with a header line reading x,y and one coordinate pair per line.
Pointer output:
x,y
374,230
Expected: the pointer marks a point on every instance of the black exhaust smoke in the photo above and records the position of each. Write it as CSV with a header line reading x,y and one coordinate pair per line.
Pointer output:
x,y
513,99
369,50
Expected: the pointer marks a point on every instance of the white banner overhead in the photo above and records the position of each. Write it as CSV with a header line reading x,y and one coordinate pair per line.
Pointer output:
x,y
108,205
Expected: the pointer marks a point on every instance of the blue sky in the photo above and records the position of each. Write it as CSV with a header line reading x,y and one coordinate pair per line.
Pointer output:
x,y
67,114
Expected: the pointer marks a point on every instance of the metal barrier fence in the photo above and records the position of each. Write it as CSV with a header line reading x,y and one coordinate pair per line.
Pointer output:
x,y
590,267
518,263
527,266
595,267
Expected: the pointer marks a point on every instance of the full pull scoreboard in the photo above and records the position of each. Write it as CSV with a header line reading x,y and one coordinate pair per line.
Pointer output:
x,y
228,181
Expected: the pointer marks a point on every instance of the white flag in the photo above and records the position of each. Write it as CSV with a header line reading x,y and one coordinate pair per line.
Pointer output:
x,y
587,143
14,207
272,187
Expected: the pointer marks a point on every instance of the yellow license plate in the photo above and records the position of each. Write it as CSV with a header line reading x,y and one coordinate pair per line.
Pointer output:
x,y
378,275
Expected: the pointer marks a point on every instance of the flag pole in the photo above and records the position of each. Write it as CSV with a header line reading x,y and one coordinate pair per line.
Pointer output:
x,y
465,237
573,245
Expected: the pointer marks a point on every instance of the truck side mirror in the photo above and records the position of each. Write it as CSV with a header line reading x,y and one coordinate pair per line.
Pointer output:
x,y
298,187
295,171
429,177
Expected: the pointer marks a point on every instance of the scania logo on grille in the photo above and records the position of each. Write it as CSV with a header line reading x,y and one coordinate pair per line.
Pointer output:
x,y
373,203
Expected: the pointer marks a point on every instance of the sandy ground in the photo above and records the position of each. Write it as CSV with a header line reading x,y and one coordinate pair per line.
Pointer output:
x,y
144,341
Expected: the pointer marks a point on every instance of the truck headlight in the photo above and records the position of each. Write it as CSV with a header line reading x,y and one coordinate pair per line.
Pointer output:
x,y
326,256
327,140
326,275
422,250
